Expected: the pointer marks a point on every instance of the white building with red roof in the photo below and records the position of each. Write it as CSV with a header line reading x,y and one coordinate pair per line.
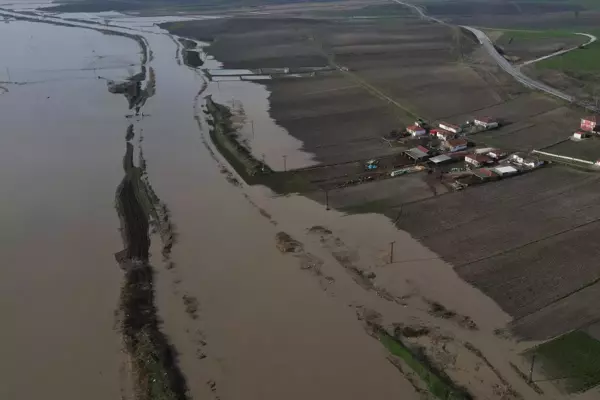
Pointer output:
x,y
416,130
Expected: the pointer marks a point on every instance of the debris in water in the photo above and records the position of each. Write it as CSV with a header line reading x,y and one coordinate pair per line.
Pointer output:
x,y
287,244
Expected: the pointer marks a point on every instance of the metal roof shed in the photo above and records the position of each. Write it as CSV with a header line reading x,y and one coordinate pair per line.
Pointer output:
x,y
505,170
416,154
443,158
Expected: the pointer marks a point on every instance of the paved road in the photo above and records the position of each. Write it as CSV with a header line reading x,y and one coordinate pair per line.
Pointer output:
x,y
507,66
558,53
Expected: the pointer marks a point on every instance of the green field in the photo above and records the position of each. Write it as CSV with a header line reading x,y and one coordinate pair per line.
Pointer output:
x,y
573,359
585,60
527,34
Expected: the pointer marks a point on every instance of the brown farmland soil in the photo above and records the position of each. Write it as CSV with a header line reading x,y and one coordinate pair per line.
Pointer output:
x,y
521,241
338,116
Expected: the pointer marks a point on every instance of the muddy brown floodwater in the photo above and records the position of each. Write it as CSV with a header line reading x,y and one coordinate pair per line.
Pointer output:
x,y
247,321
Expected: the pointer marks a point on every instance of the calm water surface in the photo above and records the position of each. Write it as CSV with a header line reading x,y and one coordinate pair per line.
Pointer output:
x,y
268,331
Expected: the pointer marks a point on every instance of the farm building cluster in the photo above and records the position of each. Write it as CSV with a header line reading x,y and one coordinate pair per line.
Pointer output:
x,y
446,149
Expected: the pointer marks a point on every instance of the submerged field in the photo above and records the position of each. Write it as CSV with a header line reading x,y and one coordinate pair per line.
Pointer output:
x,y
522,241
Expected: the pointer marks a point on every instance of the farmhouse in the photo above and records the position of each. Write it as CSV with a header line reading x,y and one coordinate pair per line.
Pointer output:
x,y
415,130
450,127
455,144
589,124
486,122
478,160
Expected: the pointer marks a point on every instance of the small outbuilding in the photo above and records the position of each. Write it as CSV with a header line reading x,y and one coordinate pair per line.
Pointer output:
x,y
416,130
441,159
486,122
497,154
505,170
579,135
484,174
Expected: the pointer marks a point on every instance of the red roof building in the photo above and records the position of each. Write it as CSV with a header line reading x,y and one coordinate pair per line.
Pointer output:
x,y
415,130
589,124
456,144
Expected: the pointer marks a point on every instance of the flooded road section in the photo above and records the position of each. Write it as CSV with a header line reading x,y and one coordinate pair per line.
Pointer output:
x,y
246,321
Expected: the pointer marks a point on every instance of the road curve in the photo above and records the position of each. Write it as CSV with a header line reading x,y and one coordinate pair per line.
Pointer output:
x,y
516,73
558,53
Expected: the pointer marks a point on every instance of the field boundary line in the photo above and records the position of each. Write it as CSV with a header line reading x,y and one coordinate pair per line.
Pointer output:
x,y
561,298
528,244
525,205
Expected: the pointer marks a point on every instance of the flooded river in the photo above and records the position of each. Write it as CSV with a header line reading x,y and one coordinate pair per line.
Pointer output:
x,y
267,331
247,321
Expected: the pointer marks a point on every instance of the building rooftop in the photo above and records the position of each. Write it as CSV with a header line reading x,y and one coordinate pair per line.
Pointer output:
x,y
590,118
487,120
440,159
449,124
483,173
414,128
480,158
457,142
505,170
416,153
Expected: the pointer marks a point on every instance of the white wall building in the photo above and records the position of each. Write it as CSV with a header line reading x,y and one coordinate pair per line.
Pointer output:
x,y
486,122
450,127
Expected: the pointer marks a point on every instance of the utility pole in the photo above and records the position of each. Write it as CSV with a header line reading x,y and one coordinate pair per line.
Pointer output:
x,y
326,199
252,123
531,368
263,163
284,163
392,252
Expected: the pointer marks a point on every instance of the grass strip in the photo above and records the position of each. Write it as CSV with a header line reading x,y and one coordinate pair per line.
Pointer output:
x,y
438,383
